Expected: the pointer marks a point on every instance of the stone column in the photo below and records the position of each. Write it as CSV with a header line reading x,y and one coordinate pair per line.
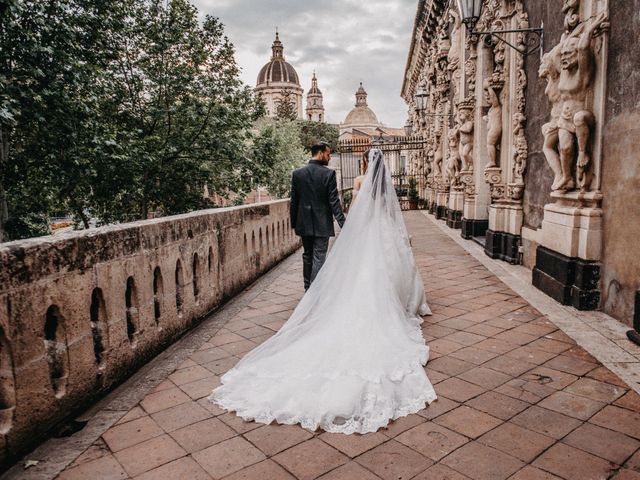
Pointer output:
x,y
505,144
460,137
477,198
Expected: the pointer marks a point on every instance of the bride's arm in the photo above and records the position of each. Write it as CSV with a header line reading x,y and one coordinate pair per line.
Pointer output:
x,y
357,183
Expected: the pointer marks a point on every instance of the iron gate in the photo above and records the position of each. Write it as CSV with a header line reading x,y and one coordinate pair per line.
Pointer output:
x,y
399,155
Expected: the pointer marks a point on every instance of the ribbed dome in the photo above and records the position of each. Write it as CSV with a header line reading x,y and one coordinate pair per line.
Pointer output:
x,y
277,70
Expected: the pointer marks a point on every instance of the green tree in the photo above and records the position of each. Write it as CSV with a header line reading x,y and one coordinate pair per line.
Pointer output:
x,y
51,58
277,151
182,111
314,132
286,108
114,109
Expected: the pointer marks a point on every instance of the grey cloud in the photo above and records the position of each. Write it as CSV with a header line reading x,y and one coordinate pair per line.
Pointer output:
x,y
344,41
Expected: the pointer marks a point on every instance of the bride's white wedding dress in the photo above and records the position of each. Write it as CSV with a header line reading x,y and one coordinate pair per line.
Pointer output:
x,y
350,358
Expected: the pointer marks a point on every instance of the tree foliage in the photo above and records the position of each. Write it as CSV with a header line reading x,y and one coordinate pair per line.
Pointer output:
x,y
314,132
116,109
280,151
286,108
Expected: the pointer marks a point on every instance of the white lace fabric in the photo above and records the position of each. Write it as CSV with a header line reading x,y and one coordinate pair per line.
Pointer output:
x,y
350,358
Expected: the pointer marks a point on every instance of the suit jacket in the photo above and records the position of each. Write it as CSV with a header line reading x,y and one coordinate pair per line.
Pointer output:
x,y
315,200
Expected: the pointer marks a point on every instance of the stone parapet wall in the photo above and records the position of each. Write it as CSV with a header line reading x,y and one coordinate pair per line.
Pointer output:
x,y
81,311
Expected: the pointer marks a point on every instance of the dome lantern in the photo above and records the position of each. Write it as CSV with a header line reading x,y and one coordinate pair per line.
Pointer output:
x,y
361,96
277,48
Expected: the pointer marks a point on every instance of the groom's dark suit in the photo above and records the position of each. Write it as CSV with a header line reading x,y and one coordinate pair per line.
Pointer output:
x,y
314,203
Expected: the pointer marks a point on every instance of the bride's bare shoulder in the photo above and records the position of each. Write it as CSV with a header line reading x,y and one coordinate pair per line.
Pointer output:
x,y
357,182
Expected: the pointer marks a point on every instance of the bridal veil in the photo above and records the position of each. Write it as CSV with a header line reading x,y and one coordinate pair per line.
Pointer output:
x,y
350,358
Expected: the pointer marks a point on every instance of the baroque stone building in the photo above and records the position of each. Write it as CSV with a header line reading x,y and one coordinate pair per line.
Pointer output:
x,y
278,82
535,154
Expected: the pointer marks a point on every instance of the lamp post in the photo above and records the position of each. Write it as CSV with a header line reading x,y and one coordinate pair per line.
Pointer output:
x,y
470,11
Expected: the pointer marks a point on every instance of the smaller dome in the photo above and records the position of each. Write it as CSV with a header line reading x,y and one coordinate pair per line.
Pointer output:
x,y
314,90
361,115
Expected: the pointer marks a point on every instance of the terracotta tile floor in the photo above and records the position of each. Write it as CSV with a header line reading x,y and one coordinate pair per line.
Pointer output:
x,y
517,399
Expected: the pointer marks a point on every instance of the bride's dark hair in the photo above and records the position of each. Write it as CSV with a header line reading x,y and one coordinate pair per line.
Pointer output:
x,y
364,166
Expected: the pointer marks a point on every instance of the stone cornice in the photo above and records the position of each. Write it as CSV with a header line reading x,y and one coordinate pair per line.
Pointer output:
x,y
424,31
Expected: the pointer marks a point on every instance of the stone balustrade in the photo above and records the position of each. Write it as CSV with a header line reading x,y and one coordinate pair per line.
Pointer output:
x,y
81,311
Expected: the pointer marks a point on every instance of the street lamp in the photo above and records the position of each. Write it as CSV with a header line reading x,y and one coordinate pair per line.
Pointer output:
x,y
408,127
421,99
470,11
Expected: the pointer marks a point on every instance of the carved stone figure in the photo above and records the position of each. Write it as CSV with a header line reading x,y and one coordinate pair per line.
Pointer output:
x,y
494,122
499,51
430,166
519,155
437,159
453,165
453,56
550,71
465,129
454,49
575,86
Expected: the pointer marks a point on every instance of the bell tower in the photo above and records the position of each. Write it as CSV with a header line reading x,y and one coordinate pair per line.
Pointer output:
x,y
315,108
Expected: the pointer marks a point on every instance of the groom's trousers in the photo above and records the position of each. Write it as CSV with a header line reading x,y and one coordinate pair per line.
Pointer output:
x,y
313,257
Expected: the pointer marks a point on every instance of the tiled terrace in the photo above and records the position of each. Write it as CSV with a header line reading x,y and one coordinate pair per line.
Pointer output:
x,y
518,398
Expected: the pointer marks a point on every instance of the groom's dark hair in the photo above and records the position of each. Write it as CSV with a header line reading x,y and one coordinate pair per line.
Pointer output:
x,y
318,147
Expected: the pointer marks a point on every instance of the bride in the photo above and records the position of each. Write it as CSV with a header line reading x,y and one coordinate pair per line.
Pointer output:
x,y
350,358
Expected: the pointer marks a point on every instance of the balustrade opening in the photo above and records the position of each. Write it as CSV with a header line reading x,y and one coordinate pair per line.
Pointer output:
x,y
179,278
195,270
132,313
158,294
55,342
99,325
7,386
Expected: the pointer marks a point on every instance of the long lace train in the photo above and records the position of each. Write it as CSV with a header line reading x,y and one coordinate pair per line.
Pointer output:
x,y
350,358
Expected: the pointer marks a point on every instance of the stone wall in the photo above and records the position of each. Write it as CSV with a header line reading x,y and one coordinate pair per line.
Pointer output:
x,y
538,186
551,177
621,166
79,312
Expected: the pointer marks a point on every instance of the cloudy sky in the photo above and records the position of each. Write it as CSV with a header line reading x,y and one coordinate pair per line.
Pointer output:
x,y
345,41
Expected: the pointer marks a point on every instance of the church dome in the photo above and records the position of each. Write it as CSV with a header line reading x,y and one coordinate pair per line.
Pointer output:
x,y
277,70
361,114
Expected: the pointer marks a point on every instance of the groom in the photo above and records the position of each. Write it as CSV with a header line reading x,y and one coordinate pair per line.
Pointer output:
x,y
314,198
